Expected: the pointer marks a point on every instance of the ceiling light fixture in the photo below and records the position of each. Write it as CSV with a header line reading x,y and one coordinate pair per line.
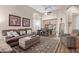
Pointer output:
x,y
45,11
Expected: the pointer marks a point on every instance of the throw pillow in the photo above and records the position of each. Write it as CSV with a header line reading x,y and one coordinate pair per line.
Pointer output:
x,y
29,32
14,33
22,32
9,34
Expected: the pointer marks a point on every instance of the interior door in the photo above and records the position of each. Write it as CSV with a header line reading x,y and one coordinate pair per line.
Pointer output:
x,y
61,29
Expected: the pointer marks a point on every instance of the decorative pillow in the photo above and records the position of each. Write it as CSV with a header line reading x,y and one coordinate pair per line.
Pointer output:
x,y
9,34
14,33
22,32
29,32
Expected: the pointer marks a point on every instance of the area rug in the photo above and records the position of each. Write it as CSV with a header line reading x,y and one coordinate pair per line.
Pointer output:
x,y
46,45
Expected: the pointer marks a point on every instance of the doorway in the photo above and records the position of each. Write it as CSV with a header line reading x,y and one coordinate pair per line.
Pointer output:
x,y
61,29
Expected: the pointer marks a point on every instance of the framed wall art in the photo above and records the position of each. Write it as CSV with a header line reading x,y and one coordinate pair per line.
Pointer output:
x,y
25,22
14,20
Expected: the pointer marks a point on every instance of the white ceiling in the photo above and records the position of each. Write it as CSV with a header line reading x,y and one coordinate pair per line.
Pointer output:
x,y
50,8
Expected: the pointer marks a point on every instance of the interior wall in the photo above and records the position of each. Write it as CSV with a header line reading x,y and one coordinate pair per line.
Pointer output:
x,y
72,10
67,16
49,21
58,15
76,22
37,22
61,14
18,10
49,16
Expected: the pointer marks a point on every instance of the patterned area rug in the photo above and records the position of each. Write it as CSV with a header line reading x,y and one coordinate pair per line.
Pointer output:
x,y
46,45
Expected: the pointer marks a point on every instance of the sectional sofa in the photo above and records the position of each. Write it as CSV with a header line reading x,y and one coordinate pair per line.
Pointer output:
x,y
12,36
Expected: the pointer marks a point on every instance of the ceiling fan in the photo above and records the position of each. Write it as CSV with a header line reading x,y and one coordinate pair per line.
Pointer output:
x,y
47,12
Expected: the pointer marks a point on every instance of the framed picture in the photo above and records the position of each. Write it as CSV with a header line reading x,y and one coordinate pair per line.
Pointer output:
x,y
14,20
25,22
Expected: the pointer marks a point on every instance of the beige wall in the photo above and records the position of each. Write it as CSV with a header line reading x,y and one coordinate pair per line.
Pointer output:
x,y
37,22
58,15
19,10
50,16
75,23
26,11
67,16
72,13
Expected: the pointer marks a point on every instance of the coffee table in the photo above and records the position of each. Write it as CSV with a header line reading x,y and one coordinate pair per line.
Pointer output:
x,y
27,42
